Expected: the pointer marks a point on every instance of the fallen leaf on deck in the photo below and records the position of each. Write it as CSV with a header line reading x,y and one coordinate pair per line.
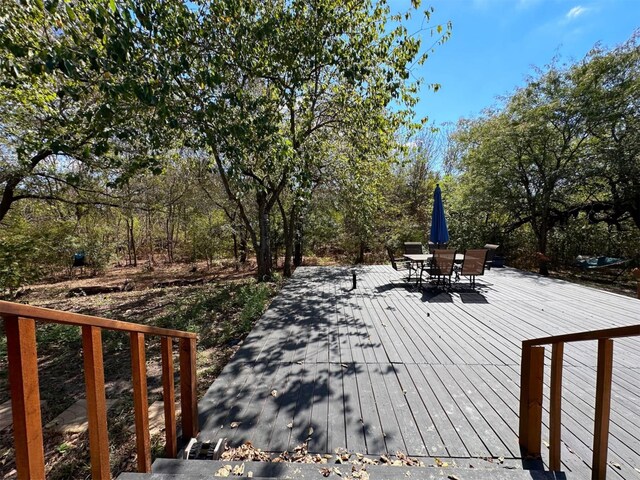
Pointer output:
x,y
453,477
359,473
546,444
344,365
337,472
250,474
310,431
290,425
238,470
325,471
500,459
440,463
223,471
274,393
235,424
408,461
616,465
245,452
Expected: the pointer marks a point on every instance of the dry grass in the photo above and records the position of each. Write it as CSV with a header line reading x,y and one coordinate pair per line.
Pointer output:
x,y
222,310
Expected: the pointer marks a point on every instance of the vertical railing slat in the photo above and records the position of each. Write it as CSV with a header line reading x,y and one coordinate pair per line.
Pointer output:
x,y
25,396
555,407
534,408
603,409
188,394
141,407
168,390
96,402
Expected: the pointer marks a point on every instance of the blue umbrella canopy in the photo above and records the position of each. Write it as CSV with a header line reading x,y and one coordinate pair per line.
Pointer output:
x,y
439,233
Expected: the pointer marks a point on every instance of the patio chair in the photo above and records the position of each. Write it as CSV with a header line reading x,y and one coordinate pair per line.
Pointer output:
x,y
441,265
400,264
474,264
491,252
413,248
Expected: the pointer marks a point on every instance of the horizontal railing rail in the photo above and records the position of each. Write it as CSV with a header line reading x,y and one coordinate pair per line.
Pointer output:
x,y
20,329
531,393
68,318
617,332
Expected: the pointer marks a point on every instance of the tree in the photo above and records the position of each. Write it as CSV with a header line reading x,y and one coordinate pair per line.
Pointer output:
x,y
276,75
607,87
528,156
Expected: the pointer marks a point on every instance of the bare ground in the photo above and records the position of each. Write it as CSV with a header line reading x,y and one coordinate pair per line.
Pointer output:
x,y
213,303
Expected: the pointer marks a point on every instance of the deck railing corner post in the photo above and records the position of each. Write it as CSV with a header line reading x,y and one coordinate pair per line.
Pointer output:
x,y
188,388
25,396
525,371
604,378
531,382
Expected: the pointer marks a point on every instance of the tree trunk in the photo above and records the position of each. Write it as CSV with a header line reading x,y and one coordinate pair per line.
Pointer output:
x,y
131,244
263,254
8,194
360,258
287,225
243,248
297,245
235,249
543,260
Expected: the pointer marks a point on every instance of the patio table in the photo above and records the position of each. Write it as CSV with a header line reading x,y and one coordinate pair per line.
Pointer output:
x,y
421,258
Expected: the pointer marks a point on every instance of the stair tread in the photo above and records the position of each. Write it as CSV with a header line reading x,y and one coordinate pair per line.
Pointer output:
x,y
170,469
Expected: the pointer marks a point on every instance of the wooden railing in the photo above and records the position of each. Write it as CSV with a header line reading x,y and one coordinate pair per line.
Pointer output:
x,y
531,386
20,327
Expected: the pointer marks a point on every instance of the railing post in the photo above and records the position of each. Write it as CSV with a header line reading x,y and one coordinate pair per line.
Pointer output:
x,y
96,402
525,370
140,403
25,396
603,409
188,393
532,376
555,410
169,399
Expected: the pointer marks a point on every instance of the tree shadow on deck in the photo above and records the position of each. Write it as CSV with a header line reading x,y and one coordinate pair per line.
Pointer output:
x,y
298,377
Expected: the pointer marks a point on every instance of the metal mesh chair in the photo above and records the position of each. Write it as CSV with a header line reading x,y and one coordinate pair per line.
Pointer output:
x,y
491,252
400,264
442,265
413,248
474,264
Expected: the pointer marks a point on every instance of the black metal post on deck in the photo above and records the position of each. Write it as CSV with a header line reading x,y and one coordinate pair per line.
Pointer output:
x,y
353,273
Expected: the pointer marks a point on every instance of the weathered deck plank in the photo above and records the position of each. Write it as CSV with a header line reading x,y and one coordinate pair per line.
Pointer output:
x,y
386,368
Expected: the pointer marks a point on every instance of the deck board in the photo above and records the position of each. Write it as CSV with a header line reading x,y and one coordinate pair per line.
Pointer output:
x,y
386,368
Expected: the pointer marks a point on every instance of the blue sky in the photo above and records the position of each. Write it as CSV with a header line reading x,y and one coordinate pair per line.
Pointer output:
x,y
495,44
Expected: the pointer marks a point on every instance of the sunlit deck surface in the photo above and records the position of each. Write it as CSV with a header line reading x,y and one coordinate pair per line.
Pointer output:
x,y
384,368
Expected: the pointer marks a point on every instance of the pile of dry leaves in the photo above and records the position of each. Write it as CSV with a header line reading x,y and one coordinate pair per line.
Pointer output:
x,y
347,465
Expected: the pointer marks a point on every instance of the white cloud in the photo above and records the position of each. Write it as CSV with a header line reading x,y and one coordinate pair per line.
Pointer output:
x,y
575,12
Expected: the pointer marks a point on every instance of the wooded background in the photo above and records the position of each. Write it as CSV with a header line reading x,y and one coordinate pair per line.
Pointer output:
x,y
160,131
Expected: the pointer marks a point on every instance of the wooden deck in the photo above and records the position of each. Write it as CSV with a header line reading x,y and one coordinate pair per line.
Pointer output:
x,y
383,368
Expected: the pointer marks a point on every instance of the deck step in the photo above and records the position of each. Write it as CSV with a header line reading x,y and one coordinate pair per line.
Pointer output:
x,y
167,469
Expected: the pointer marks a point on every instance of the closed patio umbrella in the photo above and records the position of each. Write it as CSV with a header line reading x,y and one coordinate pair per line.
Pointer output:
x,y
439,234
